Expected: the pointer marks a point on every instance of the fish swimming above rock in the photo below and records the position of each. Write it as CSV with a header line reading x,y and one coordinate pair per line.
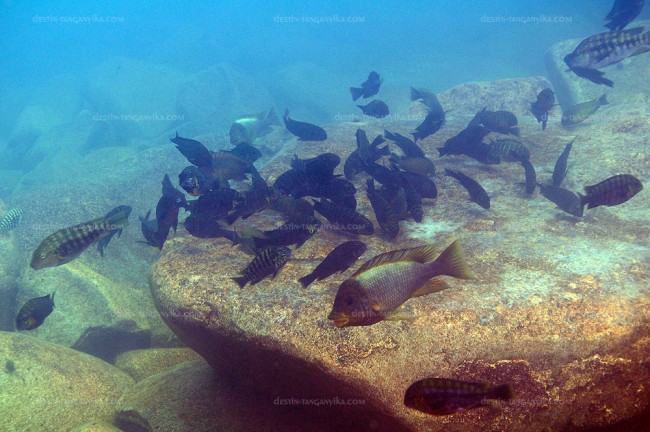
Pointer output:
x,y
167,209
34,312
410,148
541,107
564,199
267,262
104,241
476,191
623,12
67,244
430,100
246,152
195,182
226,166
531,175
431,124
303,130
440,396
195,152
376,108
511,150
297,209
338,260
365,153
376,291
469,142
612,191
604,49
344,219
503,122
578,113
369,88
258,125
384,212
259,197
239,135
418,165
560,169
11,220
423,185
290,233
149,228
413,199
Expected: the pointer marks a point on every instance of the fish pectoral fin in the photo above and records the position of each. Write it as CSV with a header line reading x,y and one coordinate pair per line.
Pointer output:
x,y
430,287
400,314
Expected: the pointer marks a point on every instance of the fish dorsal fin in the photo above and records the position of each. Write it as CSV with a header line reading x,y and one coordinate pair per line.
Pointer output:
x,y
420,254
430,287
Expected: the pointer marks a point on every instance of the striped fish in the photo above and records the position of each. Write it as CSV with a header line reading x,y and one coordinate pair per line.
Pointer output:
x,y
68,243
11,220
267,262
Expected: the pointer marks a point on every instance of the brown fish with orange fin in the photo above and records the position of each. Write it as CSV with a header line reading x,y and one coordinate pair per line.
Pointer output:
x,y
376,291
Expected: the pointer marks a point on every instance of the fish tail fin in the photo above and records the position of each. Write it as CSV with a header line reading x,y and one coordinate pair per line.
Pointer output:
x,y
52,297
603,99
503,392
241,281
305,281
415,94
584,200
272,117
388,134
416,136
356,93
452,262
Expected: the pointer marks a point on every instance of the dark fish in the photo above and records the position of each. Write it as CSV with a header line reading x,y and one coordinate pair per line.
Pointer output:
x,y
297,209
320,168
560,170
131,421
369,88
344,219
246,152
385,214
413,200
258,125
376,291
227,166
531,176
168,208
291,180
195,182
338,260
383,175
440,396
612,191
511,149
216,203
202,225
544,103
421,166
259,197
267,262
290,233
430,100
364,154
423,185
239,135
410,148
476,191
68,243
468,142
194,151
34,312
431,124
11,220
104,241
336,189
623,12
304,131
149,230
604,49
563,198
396,198
580,112
376,108
503,122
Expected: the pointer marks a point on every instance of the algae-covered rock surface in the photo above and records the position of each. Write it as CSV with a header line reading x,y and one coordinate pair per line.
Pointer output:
x,y
146,362
47,387
559,309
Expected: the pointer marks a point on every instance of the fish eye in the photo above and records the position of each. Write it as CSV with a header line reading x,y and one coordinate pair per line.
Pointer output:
x,y
42,256
350,300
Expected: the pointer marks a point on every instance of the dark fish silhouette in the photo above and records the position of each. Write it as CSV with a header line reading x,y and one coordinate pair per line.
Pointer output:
x,y
227,166
376,291
246,152
34,312
149,229
423,185
303,130
354,164
413,199
68,243
338,260
267,262
320,167
623,12
104,241
604,49
290,233
384,212
203,225
440,396
541,107
531,176
259,197
417,165
511,149
612,191
563,198
297,209
468,142
344,219
431,124
430,100
376,108
195,182
560,170
580,112
476,191
193,150
11,220
369,88
167,209
503,122
410,148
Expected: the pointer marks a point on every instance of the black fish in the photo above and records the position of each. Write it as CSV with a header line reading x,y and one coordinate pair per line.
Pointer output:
x,y
290,233
194,151
544,103
266,262
396,199
413,200
195,182
439,396
476,191
149,230
421,166
531,176
623,12
319,168
560,170
503,122
227,166
430,100
364,154
612,191
563,198
304,131
116,212
369,88
468,142
34,312
386,217
216,203
344,219
338,260
246,152
297,209
410,148
423,185
383,175
167,209
430,125
376,108
512,149
203,225
604,49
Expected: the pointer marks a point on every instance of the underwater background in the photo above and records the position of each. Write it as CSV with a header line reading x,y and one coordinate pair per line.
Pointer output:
x,y
103,100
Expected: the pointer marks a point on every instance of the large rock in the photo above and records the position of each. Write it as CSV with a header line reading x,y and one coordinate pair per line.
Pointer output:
x,y
560,306
629,76
52,388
